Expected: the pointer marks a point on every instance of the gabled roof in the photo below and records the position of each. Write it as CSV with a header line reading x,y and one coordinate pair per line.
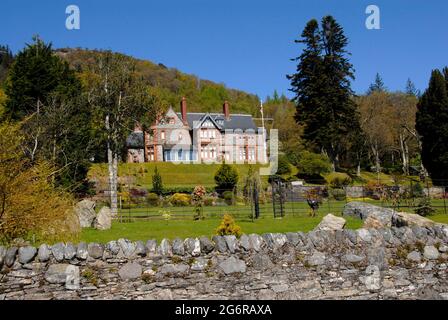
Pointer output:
x,y
236,121
135,141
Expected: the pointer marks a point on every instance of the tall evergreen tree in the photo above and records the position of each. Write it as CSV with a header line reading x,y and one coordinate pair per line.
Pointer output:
x,y
44,94
322,88
411,89
432,126
377,85
6,59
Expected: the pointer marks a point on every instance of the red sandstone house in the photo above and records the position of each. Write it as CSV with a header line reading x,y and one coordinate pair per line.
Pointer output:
x,y
199,137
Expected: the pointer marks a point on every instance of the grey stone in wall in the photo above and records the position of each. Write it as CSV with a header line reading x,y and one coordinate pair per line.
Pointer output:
x,y
220,243
233,265
140,249
130,271
231,243
362,210
174,269
95,250
70,251
151,246
113,247
81,252
431,253
26,254
293,238
200,264
207,245
256,242
58,251
261,261
57,273
164,248
44,253
244,242
127,248
178,247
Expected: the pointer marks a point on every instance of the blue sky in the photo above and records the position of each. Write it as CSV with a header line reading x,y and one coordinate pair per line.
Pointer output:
x,y
245,44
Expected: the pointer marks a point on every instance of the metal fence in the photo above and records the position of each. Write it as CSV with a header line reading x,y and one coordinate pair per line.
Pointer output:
x,y
277,199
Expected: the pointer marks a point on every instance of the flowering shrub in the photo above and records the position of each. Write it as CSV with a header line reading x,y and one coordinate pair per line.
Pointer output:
x,y
228,227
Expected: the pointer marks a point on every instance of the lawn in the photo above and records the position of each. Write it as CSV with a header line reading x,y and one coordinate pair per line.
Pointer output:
x,y
159,229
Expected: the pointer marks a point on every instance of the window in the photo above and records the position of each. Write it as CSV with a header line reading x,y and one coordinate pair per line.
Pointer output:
x,y
171,120
180,136
212,153
162,135
179,155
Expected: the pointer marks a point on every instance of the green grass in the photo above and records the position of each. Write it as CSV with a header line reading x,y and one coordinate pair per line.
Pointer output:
x,y
173,175
159,229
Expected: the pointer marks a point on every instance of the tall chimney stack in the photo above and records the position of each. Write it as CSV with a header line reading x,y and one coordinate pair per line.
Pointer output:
x,y
183,110
226,110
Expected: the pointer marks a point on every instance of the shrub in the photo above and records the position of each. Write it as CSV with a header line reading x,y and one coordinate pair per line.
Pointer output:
x,y
198,201
228,197
210,201
338,180
226,178
180,200
338,194
153,199
424,207
284,167
313,164
228,227
157,185
30,207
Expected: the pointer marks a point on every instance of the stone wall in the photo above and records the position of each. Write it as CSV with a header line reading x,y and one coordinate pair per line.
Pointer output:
x,y
389,263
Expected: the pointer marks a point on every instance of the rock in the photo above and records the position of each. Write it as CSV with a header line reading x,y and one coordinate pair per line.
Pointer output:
x,y
256,242
377,220
362,210
220,243
414,256
95,250
178,247
268,239
317,259
331,222
26,254
244,242
192,246
353,258
113,247
44,252
261,261
103,220
431,253
233,265
351,235
207,245
58,251
364,235
81,252
279,240
293,237
140,248
402,219
174,269
2,255
231,243
130,271
373,278
165,248
200,264
63,274
69,251
151,246
376,256
127,248
85,210
428,293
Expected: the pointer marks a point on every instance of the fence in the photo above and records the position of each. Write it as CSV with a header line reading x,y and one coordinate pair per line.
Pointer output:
x,y
278,199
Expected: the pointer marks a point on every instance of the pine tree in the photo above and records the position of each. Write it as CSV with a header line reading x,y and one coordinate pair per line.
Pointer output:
x,y
377,85
226,178
411,89
45,95
157,185
432,126
6,59
321,85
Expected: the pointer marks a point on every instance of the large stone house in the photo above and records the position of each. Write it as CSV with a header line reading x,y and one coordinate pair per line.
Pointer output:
x,y
199,137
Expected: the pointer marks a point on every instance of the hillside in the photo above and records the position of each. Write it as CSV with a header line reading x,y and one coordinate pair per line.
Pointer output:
x,y
171,85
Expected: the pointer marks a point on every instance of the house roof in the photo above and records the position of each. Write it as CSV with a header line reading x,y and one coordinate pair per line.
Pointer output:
x,y
135,141
236,121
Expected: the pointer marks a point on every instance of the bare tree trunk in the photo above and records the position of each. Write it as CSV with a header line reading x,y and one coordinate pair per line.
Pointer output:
x,y
112,160
404,149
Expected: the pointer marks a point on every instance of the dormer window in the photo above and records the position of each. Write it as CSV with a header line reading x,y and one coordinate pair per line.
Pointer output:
x,y
171,120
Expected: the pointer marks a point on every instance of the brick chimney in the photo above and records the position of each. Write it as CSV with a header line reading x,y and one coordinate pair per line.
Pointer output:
x,y
183,110
226,110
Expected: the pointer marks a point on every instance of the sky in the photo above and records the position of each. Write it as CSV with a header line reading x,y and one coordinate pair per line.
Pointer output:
x,y
245,44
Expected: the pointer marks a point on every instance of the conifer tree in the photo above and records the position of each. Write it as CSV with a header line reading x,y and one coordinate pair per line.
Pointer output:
x,y
432,126
377,85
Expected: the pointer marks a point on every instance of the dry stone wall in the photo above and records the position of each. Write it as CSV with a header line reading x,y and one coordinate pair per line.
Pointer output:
x,y
388,263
